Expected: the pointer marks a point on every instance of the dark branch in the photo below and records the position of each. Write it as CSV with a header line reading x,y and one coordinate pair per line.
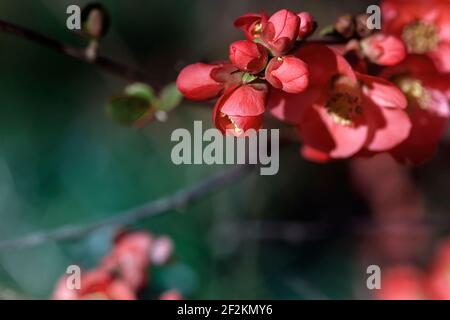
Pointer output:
x,y
151,209
104,63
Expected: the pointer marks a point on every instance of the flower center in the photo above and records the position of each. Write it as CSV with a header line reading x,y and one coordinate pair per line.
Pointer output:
x,y
414,91
420,37
257,30
344,104
343,108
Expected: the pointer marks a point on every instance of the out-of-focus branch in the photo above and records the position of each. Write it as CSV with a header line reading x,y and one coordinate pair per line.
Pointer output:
x,y
151,209
124,71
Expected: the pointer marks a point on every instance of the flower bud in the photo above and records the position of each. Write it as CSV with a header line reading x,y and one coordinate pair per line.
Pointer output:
x,y
195,82
95,20
281,31
345,26
307,24
288,73
240,108
248,56
383,49
361,25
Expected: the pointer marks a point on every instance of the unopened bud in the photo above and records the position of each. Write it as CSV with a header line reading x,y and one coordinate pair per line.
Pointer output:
x,y
345,26
95,20
361,25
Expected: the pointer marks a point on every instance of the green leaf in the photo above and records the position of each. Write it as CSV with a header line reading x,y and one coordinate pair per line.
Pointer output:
x,y
169,98
128,110
247,77
327,30
141,90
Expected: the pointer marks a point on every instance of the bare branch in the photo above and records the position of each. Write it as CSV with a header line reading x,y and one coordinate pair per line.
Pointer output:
x,y
151,209
107,64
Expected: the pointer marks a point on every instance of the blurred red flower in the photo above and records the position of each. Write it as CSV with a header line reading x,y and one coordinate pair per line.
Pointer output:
x,y
98,284
424,26
383,49
402,283
428,106
342,112
439,280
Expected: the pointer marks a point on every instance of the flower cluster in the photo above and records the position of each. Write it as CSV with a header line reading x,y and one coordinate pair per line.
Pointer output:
x,y
407,282
123,272
261,62
363,93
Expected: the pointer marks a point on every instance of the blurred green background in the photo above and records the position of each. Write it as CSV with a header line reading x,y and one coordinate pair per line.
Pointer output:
x,y
64,162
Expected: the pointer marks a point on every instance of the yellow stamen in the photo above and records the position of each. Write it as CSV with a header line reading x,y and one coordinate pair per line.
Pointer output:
x,y
257,30
344,104
420,37
414,91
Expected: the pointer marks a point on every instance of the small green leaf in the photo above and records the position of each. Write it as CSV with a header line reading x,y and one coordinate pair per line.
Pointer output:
x,y
128,110
247,77
327,30
169,98
141,90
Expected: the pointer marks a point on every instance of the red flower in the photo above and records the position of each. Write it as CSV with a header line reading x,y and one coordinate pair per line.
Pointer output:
x,y
171,295
439,280
307,25
241,108
248,56
281,31
130,258
428,106
402,283
342,112
288,73
98,284
383,49
424,26
251,24
201,81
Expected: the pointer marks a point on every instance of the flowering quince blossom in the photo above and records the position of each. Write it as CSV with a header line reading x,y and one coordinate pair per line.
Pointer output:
x,y
123,272
427,92
248,56
402,283
251,24
424,27
373,93
307,24
439,280
201,81
256,65
240,108
385,50
98,284
407,282
280,31
342,112
288,73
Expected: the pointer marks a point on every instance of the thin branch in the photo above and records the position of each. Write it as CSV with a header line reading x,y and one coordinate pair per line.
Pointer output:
x,y
151,209
107,64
